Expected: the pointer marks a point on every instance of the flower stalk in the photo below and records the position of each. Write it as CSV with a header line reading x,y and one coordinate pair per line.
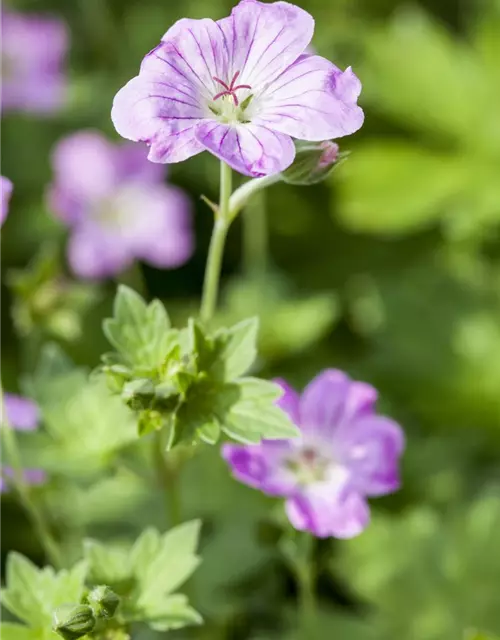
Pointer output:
x,y
22,489
216,251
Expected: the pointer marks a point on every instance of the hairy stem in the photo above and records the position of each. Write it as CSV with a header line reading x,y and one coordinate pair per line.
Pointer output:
x,y
217,243
22,489
242,195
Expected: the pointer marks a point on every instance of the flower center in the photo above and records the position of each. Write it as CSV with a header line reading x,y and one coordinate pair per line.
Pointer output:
x,y
308,465
226,104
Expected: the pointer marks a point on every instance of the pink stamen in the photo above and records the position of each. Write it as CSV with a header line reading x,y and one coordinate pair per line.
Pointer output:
x,y
222,83
230,90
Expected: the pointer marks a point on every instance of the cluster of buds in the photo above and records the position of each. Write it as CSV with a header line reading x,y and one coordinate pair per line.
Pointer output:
x,y
98,606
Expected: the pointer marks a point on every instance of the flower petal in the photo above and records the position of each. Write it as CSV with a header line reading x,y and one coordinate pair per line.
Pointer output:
x,y
161,111
260,466
21,413
6,187
322,403
371,448
194,49
289,401
312,100
264,39
32,476
85,167
94,253
249,149
162,235
325,515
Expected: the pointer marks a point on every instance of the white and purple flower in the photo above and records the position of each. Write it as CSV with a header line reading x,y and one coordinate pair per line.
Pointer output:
x,y
117,207
21,414
34,49
5,193
242,88
346,453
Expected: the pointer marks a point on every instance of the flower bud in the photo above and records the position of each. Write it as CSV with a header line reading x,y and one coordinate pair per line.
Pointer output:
x,y
313,162
103,601
72,621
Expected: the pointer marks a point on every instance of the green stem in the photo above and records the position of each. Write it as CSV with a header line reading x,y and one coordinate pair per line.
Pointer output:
x,y
255,237
22,489
217,243
306,583
168,479
242,195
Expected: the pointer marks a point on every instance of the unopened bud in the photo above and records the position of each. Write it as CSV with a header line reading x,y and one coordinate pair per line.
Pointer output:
x,y
72,621
103,601
313,162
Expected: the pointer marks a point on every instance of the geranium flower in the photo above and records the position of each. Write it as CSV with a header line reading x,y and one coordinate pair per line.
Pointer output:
x,y
345,454
22,415
241,88
5,193
117,207
34,48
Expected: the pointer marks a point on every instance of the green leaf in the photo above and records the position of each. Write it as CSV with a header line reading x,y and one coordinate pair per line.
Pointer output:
x,y
237,350
229,353
172,613
22,596
11,631
174,563
140,332
255,416
107,564
394,188
144,551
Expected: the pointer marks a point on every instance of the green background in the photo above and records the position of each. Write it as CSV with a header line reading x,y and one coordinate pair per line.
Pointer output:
x,y
390,270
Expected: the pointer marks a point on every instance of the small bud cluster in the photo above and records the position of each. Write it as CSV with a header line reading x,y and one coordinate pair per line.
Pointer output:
x,y
73,621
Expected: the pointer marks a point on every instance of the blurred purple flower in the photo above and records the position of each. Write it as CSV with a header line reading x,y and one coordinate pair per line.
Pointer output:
x,y
33,52
117,207
6,191
22,413
345,454
32,476
241,88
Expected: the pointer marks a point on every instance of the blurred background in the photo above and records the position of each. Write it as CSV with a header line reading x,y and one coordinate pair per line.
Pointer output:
x,y
390,270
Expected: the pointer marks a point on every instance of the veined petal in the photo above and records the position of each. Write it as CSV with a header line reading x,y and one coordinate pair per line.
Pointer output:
x,y
175,147
312,100
152,108
264,39
325,515
250,149
194,49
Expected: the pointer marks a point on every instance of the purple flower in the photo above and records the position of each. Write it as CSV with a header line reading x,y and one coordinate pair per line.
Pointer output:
x,y
32,476
33,52
6,191
345,454
22,413
242,88
117,207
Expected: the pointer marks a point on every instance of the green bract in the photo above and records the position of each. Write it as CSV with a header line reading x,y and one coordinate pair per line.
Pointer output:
x,y
190,380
